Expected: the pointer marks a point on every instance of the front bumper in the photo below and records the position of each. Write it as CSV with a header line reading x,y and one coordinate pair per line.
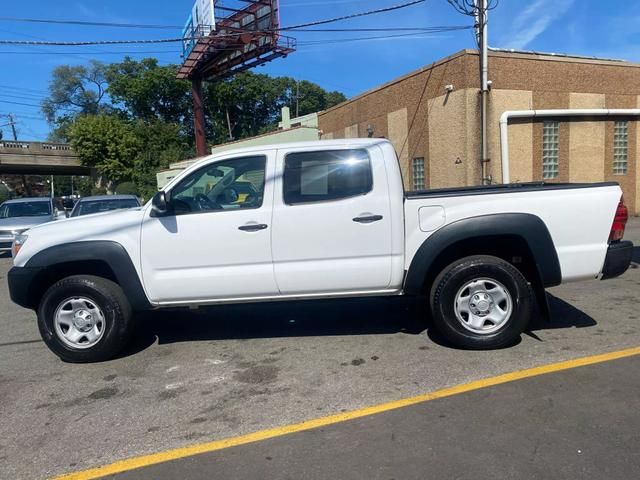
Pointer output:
x,y
617,260
20,281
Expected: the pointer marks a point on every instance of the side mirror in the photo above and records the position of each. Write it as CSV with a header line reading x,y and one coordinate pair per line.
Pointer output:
x,y
159,205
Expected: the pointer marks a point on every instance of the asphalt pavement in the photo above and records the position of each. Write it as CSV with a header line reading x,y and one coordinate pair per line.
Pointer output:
x,y
580,423
192,377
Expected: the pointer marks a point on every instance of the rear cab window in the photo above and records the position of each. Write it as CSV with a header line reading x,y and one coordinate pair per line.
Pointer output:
x,y
326,175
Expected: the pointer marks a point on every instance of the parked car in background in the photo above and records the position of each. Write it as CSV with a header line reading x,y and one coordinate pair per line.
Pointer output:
x,y
103,203
20,214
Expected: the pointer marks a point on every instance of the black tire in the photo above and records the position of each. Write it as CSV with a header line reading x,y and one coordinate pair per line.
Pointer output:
x,y
108,297
454,277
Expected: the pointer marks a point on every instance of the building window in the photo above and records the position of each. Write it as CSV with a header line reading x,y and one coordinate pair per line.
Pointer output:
x,y
418,173
620,147
551,149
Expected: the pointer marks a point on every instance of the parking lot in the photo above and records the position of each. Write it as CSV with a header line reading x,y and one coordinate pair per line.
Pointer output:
x,y
198,376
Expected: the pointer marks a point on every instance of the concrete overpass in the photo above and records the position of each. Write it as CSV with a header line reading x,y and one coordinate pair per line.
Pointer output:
x,y
38,158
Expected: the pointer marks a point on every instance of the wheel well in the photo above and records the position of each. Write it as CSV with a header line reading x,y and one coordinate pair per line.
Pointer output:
x,y
510,248
53,273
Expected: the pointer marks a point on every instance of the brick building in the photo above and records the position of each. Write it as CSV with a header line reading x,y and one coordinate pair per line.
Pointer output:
x,y
432,117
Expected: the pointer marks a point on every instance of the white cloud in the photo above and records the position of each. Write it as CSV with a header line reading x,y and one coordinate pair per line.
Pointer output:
x,y
534,20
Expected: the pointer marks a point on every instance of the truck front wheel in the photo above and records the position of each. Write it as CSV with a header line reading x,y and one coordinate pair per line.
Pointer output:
x,y
481,302
84,319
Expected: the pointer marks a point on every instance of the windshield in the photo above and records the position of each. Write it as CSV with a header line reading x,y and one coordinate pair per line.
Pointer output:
x,y
96,206
25,209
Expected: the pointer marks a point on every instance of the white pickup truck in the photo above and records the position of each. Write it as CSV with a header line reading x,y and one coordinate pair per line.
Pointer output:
x,y
316,220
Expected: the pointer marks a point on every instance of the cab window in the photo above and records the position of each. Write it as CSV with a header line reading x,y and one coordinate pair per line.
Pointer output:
x,y
326,175
227,185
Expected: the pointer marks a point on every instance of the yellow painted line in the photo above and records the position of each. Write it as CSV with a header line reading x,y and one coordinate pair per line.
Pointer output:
x,y
161,457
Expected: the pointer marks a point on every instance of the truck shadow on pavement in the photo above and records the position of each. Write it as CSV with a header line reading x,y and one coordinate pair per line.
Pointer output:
x,y
339,317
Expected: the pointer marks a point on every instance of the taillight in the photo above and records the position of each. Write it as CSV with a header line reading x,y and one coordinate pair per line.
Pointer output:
x,y
619,222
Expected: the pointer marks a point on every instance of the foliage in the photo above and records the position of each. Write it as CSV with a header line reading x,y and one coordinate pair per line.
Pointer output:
x,y
127,188
160,145
254,102
75,90
96,190
83,186
131,119
105,143
148,91
5,193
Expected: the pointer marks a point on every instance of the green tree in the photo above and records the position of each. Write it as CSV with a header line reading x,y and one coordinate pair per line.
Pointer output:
x,y
254,102
148,91
308,97
84,186
106,143
160,144
127,188
74,90
133,118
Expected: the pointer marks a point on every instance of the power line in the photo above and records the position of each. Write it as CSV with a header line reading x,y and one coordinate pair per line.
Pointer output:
x,y
310,42
90,24
21,89
383,29
355,15
360,39
140,52
25,96
18,87
182,39
20,103
97,42
179,27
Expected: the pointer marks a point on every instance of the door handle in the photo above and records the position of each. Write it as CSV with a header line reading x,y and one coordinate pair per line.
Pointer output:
x,y
368,219
255,227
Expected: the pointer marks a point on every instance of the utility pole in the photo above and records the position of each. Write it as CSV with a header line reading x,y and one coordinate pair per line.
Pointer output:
x,y
198,116
229,125
12,122
482,29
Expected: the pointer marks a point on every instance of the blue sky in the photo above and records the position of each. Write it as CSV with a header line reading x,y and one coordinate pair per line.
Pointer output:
x,y
585,27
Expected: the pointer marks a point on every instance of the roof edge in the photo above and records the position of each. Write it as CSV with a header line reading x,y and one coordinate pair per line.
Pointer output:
x,y
437,63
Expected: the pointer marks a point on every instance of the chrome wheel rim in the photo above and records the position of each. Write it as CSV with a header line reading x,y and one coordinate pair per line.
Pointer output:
x,y
483,306
79,323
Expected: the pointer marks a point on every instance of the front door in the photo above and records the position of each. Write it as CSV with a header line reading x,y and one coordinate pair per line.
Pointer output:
x,y
216,243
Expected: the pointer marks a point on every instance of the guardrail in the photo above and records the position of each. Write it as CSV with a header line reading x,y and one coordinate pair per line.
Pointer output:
x,y
34,148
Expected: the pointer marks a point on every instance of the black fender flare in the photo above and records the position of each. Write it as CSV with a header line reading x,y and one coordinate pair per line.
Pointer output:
x,y
530,228
110,252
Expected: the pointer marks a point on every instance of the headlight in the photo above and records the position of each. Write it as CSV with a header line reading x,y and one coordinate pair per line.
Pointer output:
x,y
18,231
18,242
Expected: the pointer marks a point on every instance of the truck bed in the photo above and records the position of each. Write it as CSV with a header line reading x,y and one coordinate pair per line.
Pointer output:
x,y
578,216
503,188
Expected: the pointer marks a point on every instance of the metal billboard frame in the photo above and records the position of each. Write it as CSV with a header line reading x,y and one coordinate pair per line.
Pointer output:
x,y
242,38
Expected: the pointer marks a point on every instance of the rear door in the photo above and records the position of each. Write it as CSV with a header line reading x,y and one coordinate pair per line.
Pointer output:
x,y
331,221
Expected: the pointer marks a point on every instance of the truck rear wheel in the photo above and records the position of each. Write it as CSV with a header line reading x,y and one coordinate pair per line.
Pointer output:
x,y
481,302
84,319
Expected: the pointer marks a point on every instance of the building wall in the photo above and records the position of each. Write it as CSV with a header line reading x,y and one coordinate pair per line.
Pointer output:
x,y
422,120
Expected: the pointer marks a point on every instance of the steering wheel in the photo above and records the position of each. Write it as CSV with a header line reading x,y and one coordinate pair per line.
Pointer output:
x,y
204,202
254,199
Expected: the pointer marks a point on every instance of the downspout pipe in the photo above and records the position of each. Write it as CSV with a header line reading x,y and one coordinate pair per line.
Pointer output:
x,y
509,114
